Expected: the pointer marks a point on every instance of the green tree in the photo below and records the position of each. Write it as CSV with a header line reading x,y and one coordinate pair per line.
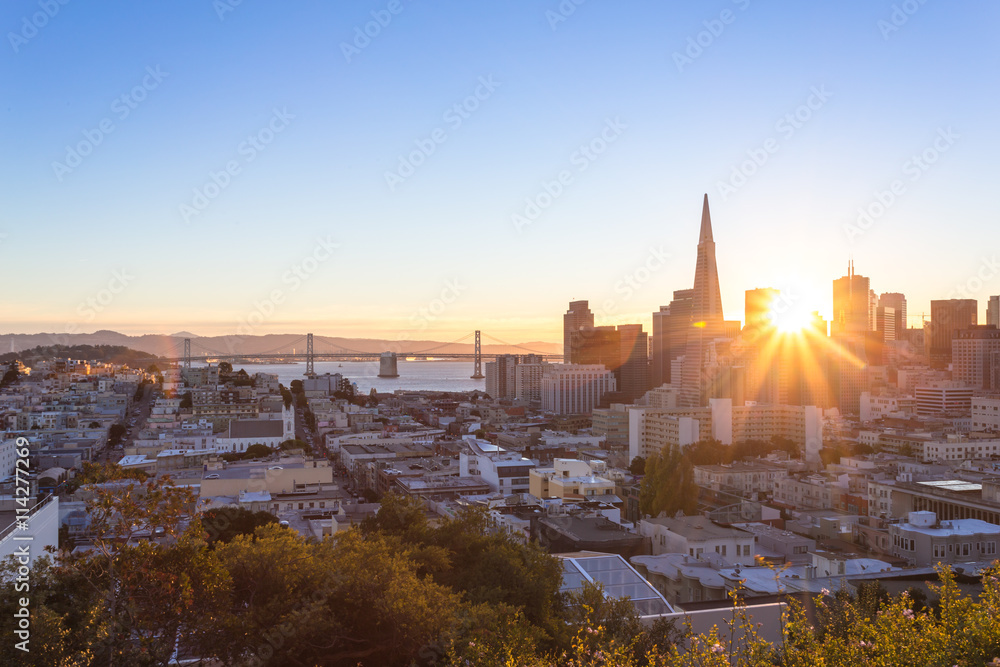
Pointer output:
x,y
225,368
187,401
222,524
638,466
115,434
668,486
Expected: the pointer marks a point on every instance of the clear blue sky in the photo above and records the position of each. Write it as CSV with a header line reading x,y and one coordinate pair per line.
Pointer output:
x,y
678,127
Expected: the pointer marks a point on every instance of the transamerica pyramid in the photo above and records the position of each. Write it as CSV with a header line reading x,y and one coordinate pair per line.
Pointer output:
x,y
707,306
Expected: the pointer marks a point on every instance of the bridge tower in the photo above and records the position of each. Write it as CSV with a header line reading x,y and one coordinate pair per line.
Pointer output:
x,y
310,360
477,372
187,353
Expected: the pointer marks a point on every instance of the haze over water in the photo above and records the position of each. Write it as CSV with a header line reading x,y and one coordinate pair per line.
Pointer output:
x,y
427,375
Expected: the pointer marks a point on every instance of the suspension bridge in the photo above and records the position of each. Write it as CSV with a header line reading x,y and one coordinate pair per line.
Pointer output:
x,y
195,350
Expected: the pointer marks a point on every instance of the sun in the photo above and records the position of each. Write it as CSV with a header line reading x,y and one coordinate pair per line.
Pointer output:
x,y
790,318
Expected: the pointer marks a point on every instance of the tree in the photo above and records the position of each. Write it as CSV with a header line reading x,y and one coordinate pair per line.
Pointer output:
x,y
153,369
668,486
286,396
638,466
297,444
115,434
257,451
94,425
121,508
187,401
296,387
373,398
222,524
225,368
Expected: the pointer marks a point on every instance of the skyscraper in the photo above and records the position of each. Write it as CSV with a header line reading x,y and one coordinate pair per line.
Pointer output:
x,y
993,311
852,313
670,332
759,304
897,302
947,317
575,319
706,320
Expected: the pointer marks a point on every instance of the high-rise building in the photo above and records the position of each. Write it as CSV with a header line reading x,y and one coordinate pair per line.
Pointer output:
x,y
707,322
573,389
976,357
500,376
947,317
993,311
851,304
528,381
897,302
670,333
578,317
759,304
623,351
633,375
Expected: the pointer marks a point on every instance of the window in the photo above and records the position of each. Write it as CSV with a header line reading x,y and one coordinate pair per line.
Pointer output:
x,y
990,547
966,548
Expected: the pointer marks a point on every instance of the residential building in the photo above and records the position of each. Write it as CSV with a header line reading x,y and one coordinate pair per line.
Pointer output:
x,y
697,536
923,540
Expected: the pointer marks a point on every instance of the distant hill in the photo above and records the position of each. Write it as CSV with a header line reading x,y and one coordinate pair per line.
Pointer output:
x,y
173,345
115,354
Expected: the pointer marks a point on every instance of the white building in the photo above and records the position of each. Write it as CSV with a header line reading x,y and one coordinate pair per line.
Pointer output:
x,y
570,389
943,398
985,413
505,472
697,536
924,540
874,407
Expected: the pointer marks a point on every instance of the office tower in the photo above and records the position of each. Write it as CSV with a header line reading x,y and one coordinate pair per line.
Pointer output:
x,y
872,308
851,304
659,348
598,345
670,333
623,351
707,322
885,324
976,357
576,318
993,311
759,306
897,302
633,375
947,317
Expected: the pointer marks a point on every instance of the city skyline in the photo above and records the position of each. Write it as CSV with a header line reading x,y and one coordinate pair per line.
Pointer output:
x,y
204,167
